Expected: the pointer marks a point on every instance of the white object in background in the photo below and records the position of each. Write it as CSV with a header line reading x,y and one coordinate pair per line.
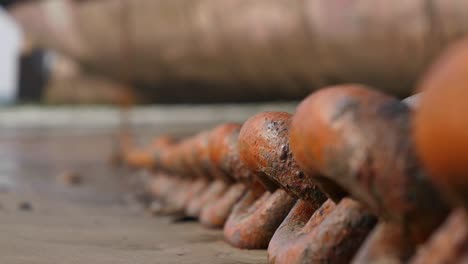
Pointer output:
x,y
10,45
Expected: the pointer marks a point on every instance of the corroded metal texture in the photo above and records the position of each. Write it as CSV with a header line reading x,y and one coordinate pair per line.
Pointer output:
x,y
224,152
179,180
282,248
201,157
210,156
262,50
301,145
224,157
448,244
264,147
255,218
387,243
214,191
302,237
147,157
439,130
440,124
359,138
172,191
200,171
215,213
332,234
267,181
195,154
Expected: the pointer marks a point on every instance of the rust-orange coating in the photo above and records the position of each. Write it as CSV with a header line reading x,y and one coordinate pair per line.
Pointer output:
x,y
214,191
224,152
359,138
146,157
330,234
160,145
441,123
258,213
181,162
224,155
201,157
439,130
223,148
170,159
362,143
202,147
255,218
216,212
302,237
264,147
448,244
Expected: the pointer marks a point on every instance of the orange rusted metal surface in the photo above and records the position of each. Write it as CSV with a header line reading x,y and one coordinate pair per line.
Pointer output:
x,y
264,147
331,234
146,157
439,130
255,218
265,138
360,139
215,213
448,244
225,159
440,124
339,181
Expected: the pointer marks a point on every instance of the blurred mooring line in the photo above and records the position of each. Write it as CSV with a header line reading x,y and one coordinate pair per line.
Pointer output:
x,y
226,50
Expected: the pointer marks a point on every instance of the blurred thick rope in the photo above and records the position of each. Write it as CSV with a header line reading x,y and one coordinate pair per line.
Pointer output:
x,y
230,50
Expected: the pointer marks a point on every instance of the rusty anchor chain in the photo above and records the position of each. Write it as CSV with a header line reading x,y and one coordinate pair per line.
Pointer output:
x,y
353,176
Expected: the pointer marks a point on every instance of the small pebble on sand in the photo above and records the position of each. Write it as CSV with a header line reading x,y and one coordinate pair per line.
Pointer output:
x,y
25,206
70,178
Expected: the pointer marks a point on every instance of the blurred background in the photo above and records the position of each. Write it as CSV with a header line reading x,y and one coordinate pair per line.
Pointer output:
x,y
226,59
207,51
